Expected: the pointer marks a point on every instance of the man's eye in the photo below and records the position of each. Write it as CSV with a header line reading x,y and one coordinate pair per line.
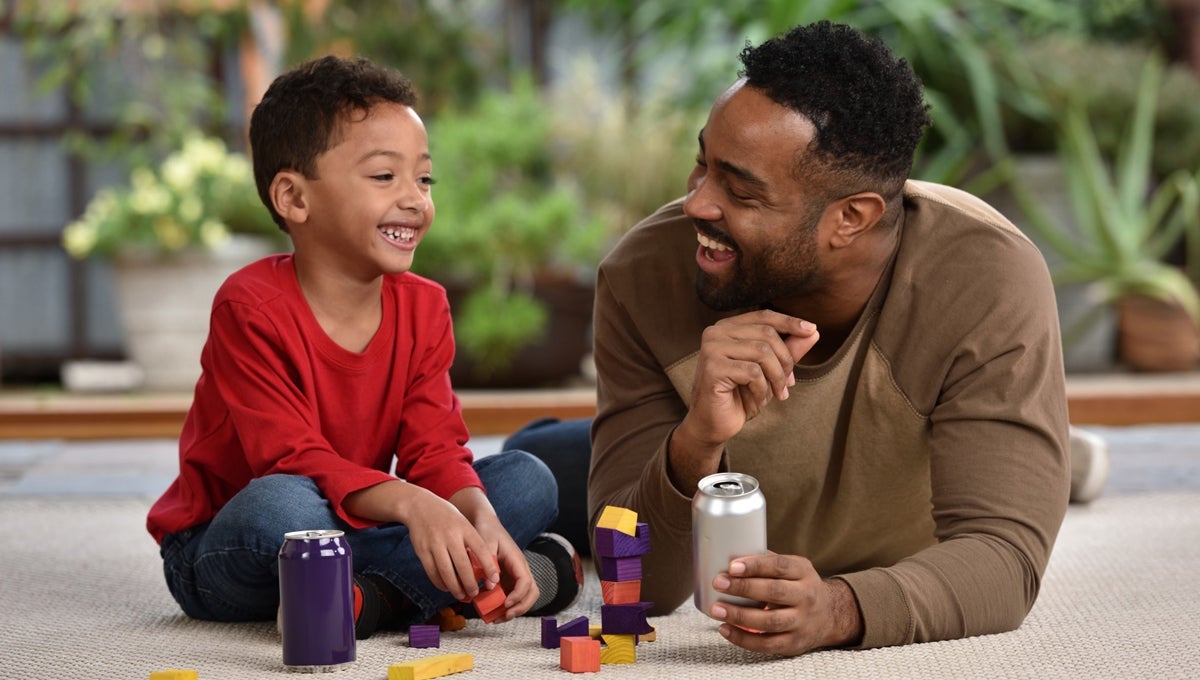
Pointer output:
x,y
428,181
384,177
700,161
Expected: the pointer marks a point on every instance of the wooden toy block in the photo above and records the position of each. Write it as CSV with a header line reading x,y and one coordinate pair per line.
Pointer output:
x,y
623,520
490,604
625,619
620,568
424,636
577,627
578,655
175,674
449,620
595,631
621,592
431,667
477,568
648,637
619,649
549,632
614,543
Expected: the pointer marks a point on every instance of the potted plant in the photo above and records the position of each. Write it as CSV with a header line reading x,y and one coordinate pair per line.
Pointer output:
x,y
1127,227
512,243
173,235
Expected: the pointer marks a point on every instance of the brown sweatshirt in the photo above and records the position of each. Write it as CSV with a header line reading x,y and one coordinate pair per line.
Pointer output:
x,y
925,463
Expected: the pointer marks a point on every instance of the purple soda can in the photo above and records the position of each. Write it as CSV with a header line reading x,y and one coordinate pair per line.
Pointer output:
x,y
316,601
729,519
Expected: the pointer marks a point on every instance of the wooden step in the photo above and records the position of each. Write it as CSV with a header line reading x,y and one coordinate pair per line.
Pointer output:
x,y
1123,399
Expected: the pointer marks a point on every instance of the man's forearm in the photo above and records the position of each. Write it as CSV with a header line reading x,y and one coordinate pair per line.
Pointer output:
x,y
845,619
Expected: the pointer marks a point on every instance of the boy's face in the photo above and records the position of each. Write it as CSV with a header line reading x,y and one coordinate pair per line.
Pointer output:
x,y
370,202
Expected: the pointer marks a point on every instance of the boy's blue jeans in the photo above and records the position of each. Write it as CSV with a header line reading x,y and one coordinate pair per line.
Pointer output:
x,y
228,569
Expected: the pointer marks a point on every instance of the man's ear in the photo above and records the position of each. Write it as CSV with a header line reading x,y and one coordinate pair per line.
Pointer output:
x,y
856,214
287,195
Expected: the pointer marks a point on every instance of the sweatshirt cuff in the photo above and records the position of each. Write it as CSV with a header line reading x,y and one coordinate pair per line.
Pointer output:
x,y
887,619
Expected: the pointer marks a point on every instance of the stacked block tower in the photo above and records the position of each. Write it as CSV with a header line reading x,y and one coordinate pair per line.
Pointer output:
x,y
620,542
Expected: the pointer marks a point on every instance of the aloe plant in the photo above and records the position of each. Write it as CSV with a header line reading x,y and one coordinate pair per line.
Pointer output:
x,y
1127,226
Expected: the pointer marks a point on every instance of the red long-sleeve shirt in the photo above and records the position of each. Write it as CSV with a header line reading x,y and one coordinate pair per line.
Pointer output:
x,y
277,395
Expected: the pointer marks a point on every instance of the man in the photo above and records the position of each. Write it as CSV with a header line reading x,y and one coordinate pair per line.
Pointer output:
x,y
881,354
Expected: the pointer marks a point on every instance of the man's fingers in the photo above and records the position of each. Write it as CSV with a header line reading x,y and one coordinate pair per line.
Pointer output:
x,y
772,565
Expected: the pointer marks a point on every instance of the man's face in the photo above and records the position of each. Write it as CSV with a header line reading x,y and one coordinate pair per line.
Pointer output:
x,y
756,222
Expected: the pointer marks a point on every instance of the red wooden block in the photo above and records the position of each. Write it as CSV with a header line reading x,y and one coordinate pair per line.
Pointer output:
x,y
579,654
490,604
621,592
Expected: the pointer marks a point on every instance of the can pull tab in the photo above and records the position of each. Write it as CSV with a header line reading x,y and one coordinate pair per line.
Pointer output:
x,y
727,488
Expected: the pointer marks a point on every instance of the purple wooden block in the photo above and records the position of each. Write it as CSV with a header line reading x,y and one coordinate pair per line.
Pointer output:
x,y
550,632
625,619
577,627
424,636
613,543
621,568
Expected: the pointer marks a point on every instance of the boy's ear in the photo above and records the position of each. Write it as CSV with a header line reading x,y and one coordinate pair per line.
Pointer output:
x,y
287,195
856,215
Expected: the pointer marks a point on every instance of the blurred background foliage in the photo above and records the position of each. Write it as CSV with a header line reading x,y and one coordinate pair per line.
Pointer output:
x,y
556,124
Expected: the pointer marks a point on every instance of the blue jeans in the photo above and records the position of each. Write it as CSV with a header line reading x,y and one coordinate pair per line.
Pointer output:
x,y
228,569
565,446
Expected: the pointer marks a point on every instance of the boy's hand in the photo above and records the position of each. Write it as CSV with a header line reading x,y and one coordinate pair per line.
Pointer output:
x,y
518,582
441,537
516,578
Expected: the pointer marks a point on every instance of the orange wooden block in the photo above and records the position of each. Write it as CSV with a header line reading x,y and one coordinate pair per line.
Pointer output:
x,y
621,592
490,604
478,568
449,620
579,654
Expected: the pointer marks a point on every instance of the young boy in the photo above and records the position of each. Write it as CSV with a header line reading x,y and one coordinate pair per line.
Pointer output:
x,y
325,367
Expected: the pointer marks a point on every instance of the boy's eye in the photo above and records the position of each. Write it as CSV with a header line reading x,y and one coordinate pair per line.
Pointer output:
x,y
385,177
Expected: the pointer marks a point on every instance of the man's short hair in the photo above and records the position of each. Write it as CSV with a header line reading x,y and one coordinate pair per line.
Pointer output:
x,y
299,116
867,105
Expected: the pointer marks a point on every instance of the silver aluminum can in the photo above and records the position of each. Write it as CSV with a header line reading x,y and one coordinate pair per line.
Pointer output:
x,y
316,601
729,519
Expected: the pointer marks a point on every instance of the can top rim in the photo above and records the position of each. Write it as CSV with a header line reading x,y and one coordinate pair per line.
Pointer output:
x,y
313,534
749,484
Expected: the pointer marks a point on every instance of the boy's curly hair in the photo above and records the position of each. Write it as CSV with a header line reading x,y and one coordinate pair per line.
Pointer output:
x,y
867,105
298,118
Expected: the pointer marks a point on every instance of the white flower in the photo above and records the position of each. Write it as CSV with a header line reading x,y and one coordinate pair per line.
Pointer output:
x,y
214,234
79,238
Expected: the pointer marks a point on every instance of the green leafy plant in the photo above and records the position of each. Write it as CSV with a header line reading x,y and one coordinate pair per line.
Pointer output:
x,y
1126,226
505,221
196,198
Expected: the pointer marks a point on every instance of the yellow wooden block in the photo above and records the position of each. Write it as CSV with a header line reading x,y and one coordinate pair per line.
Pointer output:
x,y
431,667
594,631
648,637
618,649
623,520
175,674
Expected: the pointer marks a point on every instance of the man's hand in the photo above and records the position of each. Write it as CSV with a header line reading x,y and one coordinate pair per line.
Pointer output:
x,y
803,612
744,362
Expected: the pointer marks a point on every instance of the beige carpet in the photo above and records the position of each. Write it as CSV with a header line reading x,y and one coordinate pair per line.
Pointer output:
x,y
82,596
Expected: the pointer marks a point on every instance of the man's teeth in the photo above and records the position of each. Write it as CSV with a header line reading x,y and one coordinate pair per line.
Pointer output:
x,y
400,234
711,244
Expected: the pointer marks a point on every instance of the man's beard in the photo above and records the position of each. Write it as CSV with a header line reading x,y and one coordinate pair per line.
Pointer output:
x,y
788,271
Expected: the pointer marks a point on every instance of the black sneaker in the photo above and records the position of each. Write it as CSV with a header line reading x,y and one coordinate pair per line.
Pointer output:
x,y
557,571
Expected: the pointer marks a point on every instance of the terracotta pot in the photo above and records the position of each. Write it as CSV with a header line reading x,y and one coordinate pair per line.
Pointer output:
x,y
1155,335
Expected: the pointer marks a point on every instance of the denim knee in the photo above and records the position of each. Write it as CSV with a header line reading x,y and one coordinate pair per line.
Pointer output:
x,y
521,489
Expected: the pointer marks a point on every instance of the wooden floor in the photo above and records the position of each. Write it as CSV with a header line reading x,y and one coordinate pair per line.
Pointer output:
x,y
1125,399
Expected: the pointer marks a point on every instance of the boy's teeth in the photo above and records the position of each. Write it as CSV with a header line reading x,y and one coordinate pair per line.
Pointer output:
x,y
400,234
709,243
